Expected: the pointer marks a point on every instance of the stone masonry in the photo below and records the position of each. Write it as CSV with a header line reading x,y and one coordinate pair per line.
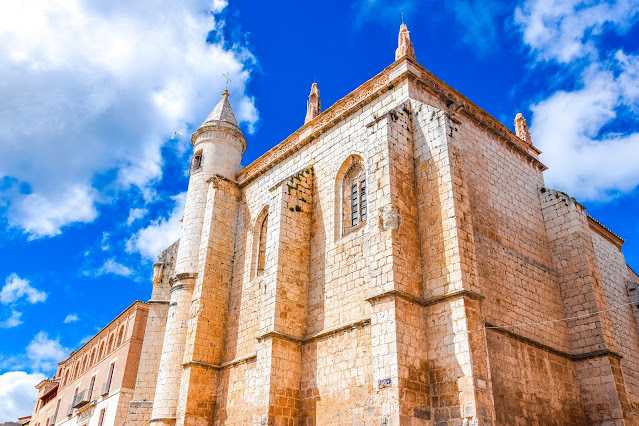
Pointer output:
x,y
397,260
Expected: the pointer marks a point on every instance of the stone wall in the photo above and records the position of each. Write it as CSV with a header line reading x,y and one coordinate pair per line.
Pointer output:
x,y
613,271
149,359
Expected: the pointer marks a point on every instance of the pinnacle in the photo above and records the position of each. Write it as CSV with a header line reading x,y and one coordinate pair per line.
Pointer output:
x,y
404,45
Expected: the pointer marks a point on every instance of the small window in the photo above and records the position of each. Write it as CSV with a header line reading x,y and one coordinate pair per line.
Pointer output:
x,y
107,385
196,161
261,249
102,414
91,385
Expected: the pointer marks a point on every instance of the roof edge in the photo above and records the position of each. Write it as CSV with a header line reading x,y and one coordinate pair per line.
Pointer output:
x,y
605,232
387,78
128,308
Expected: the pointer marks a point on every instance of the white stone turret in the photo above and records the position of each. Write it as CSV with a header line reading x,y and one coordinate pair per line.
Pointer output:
x,y
220,141
218,145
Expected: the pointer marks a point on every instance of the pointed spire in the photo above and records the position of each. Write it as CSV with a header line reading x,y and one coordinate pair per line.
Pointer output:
x,y
404,45
521,128
314,105
222,113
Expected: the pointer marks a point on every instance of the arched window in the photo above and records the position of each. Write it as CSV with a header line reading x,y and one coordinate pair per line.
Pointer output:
x,y
110,345
101,352
258,257
92,359
121,335
261,246
354,197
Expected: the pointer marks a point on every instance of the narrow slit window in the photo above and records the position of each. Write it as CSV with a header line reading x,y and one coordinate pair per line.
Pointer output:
x,y
261,250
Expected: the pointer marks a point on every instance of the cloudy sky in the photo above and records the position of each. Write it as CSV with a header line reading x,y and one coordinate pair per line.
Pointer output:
x,y
92,183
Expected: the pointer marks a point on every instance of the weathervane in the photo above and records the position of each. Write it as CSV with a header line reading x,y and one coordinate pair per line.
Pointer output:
x,y
227,80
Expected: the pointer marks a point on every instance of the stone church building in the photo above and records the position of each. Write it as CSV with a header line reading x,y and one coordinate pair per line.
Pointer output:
x,y
397,260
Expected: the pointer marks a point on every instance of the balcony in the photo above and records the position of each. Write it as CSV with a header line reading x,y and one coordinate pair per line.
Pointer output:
x,y
80,400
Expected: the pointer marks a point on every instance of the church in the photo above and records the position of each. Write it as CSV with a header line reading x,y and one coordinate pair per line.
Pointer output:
x,y
397,260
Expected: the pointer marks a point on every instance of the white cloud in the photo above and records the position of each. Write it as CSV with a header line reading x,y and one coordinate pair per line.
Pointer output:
x,y
42,215
70,318
13,321
135,214
565,30
161,233
104,242
584,160
16,287
582,130
17,394
93,90
115,268
45,353
110,267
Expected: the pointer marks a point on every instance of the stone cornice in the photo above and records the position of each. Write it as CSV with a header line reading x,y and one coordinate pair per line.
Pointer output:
x,y
370,90
363,322
426,302
327,119
606,233
531,342
451,96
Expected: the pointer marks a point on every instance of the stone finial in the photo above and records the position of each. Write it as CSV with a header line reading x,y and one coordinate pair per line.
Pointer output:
x,y
314,105
404,45
521,128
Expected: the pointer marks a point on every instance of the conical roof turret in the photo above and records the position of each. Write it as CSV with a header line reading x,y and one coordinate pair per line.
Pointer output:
x,y
223,112
222,116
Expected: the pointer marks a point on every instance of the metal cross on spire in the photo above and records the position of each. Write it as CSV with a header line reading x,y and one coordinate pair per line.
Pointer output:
x,y
227,80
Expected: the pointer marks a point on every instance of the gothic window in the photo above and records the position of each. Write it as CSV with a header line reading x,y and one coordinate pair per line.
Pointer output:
x,y
355,198
261,246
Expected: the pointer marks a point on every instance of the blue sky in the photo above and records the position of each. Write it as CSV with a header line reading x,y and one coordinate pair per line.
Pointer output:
x,y
92,185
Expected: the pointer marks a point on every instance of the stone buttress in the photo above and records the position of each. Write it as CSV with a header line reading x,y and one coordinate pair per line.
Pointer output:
x,y
142,403
594,349
284,301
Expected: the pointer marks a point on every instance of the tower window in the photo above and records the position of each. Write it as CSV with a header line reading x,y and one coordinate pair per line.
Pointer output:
x,y
196,161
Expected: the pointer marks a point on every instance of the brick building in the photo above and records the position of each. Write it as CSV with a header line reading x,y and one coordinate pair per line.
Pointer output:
x,y
94,385
396,260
